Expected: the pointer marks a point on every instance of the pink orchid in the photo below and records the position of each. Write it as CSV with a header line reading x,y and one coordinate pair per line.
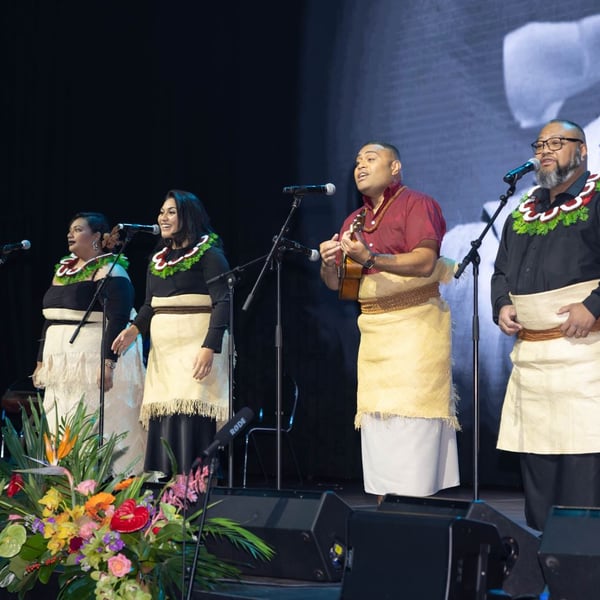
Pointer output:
x,y
86,487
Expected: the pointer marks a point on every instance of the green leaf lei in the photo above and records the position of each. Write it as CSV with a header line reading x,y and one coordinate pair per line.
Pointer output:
x,y
165,268
527,221
66,273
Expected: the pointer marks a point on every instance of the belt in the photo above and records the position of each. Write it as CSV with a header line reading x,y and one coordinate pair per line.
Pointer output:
x,y
181,310
541,335
67,322
402,300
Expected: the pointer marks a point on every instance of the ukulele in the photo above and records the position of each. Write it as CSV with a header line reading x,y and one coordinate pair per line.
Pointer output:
x,y
350,271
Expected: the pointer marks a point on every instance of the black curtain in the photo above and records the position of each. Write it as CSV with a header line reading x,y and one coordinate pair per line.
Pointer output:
x,y
107,105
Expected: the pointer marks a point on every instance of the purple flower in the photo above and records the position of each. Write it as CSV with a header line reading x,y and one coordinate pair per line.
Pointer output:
x,y
116,545
112,541
38,526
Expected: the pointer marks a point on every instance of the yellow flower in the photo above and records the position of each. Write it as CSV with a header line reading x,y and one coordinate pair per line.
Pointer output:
x,y
55,545
49,529
51,501
77,512
60,529
65,527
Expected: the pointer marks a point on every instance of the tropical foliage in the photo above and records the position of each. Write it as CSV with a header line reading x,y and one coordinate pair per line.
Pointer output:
x,y
63,513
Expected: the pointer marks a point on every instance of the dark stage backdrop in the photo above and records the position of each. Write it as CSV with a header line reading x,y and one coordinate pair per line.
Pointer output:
x,y
110,104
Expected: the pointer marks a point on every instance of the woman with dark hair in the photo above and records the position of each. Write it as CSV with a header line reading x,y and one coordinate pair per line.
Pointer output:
x,y
70,372
186,313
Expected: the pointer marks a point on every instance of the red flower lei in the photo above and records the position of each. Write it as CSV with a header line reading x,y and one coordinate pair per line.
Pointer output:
x,y
66,272
165,268
527,220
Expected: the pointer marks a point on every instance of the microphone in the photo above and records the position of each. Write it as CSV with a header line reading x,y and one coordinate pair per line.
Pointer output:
x,y
301,190
533,164
8,248
153,229
234,426
310,253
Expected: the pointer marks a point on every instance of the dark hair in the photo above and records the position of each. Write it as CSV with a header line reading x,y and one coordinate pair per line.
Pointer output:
x,y
387,146
97,223
570,125
194,221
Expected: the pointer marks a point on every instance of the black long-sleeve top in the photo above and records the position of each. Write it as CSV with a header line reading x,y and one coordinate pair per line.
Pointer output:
x,y
565,255
192,281
119,295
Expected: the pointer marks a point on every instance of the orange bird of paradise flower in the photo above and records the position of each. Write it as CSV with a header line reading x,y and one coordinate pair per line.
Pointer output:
x,y
66,445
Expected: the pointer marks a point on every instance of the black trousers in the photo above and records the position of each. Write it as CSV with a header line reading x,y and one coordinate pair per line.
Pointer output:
x,y
558,480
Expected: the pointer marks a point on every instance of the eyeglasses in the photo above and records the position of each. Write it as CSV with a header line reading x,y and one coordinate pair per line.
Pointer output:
x,y
553,143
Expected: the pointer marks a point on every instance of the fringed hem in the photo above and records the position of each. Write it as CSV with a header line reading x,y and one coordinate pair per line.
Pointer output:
x,y
68,369
186,407
454,400
452,421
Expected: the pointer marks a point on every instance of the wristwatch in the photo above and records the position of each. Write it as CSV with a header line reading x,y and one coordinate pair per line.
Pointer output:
x,y
370,263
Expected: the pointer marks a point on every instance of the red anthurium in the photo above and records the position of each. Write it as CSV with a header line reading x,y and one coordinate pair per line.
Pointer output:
x,y
129,517
14,485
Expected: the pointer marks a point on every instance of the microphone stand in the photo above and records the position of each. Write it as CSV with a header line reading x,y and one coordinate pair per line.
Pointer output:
x,y
83,321
474,258
227,432
211,470
275,251
232,279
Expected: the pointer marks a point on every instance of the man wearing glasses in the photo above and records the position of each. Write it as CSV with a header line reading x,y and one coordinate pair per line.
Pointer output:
x,y
545,290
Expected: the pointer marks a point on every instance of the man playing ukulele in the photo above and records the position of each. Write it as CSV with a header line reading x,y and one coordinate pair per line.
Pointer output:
x,y
405,401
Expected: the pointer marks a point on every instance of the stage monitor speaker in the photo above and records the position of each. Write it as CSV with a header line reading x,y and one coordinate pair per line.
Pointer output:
x,y
422,556
570,553
306,529
522,571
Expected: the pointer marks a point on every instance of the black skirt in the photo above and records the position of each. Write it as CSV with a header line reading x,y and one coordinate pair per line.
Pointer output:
x,y
187,435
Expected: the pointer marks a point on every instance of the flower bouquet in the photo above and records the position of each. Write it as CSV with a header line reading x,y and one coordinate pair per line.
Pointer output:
x,y
63,513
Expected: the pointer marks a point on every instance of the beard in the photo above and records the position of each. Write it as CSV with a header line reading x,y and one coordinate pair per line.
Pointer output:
x,y
554,178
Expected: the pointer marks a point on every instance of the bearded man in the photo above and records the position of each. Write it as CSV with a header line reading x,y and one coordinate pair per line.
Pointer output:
x,y
545,290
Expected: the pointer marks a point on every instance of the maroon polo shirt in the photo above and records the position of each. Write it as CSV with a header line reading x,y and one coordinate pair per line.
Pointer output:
x,y
404,219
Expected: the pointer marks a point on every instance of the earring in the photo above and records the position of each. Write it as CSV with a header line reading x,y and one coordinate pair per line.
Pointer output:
x,y
95,246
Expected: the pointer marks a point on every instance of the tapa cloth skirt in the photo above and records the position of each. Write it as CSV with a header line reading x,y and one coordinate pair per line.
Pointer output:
x,y
552,401
69,376
176,339
406,401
